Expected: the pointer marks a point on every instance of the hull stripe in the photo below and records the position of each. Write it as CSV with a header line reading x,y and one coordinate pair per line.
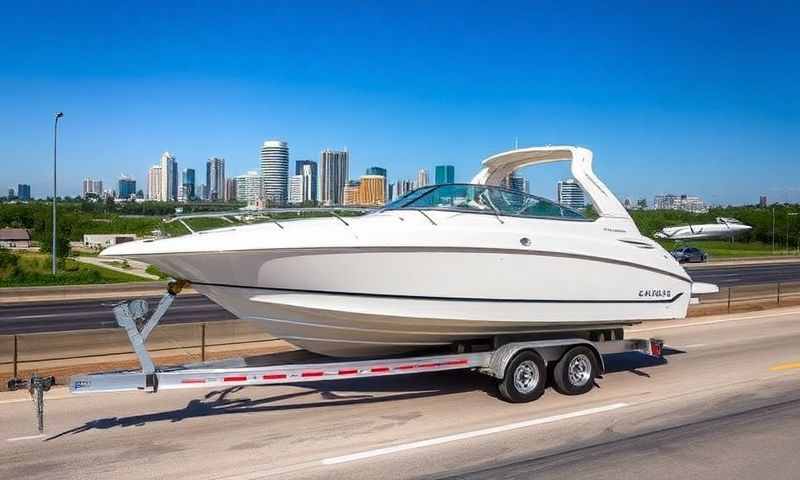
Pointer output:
x,y
422,297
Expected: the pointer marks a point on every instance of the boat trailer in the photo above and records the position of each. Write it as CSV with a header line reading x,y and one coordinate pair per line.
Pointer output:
x,y
521,368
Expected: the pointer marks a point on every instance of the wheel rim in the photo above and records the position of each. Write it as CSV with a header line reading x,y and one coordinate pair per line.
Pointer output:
x,y
526,376
580,370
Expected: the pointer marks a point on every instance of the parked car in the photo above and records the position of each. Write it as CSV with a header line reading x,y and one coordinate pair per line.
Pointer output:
x,y
689,254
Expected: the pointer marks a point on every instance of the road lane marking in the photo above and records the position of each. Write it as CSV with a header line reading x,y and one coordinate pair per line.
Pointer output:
x,y
693,345
467,435
784,366
29,437
20,400
712,322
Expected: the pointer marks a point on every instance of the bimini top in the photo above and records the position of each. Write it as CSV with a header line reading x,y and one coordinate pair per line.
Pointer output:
x,y
499,166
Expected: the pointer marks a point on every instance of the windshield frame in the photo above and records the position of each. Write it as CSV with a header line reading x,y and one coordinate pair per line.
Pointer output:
x,y
494,212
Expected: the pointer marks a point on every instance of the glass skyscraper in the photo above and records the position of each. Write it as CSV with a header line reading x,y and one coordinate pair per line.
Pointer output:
x,y
445,174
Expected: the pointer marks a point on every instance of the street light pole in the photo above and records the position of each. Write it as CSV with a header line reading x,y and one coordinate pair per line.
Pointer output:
x,y
55,157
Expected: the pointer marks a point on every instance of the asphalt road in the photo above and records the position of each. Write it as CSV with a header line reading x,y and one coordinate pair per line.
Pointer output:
x,y
57,316
725,404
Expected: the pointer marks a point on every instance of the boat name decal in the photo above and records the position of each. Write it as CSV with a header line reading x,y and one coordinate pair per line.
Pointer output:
x,y
614,230
658,293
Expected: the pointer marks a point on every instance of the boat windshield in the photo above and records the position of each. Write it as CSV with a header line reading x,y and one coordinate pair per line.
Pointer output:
x,y
484,199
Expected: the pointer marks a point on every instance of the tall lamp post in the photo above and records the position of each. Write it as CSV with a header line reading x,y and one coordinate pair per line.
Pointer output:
x,y
55,157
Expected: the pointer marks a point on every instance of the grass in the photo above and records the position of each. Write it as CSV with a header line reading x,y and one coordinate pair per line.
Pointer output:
x,y
33,269
152,270
726,249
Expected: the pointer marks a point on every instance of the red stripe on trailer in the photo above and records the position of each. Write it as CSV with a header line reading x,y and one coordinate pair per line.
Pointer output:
x,y
313,373
379,369
193,380
236,378
348,371
456,362
427,365
404,367
274,376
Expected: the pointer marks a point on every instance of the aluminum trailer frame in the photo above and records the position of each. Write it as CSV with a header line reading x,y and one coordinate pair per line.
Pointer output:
x,y
131,316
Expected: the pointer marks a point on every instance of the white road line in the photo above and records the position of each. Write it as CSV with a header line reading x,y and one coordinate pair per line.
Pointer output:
x,y
467,435
29,437
48,398
712,322
693,345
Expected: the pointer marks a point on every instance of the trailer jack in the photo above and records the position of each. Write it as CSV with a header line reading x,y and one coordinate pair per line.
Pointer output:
x,y
36,385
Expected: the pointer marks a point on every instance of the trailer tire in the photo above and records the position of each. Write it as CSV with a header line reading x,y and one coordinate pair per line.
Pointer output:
x,y
525,378
575,372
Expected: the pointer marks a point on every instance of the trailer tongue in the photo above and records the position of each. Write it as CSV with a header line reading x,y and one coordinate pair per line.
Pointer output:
x,y
520,367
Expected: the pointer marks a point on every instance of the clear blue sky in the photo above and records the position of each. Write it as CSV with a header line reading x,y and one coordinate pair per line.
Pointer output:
x,y
672,97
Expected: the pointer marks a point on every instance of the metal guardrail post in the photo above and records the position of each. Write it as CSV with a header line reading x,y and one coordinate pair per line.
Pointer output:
x,y
729,299
203,342
15,358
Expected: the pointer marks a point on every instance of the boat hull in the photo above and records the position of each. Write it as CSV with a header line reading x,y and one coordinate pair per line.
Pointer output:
x,y
379,301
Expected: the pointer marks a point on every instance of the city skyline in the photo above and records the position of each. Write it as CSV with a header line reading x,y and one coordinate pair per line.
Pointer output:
x,y
727,99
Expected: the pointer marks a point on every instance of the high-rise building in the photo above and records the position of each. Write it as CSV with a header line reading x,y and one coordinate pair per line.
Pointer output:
x,y
445,174
334,170
215,178
168,192
402,187
570,194
188,182
372,190
275,170
230,190
11,193
684,202
350,192
93,187
309,166
514,182
175,179
762,201
250,188
126,187
422,178
296,189
154,183
23,192
380,171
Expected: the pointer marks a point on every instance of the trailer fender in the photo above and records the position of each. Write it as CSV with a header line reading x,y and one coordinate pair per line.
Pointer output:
x,y
550,350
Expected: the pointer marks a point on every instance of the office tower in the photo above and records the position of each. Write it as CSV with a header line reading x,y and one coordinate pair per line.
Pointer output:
x,y
175,179
402,187
23,192
762,201
445,174
154,183
230,190
422,178
570,194
372,190
215,178
310,191
334,170
250,188
90,186
203,192
126,187
514,182
296,189
350,194
275,170
381,172
168,192
11,193
188,182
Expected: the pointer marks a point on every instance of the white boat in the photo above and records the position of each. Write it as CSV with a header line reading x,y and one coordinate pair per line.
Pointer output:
x,y
446,264
724,228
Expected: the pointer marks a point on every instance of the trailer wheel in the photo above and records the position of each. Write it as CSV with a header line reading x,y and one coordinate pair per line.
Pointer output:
x,y
575,372
525,378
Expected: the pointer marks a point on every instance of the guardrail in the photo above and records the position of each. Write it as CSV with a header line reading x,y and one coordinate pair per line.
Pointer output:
x,y
64,353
